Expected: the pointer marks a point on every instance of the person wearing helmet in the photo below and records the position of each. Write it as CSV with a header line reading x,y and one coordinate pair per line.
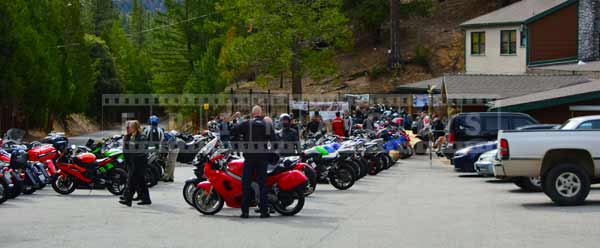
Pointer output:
x,y
288,136
154,134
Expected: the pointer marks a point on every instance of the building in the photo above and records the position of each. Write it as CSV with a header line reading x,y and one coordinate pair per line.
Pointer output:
x,y
531,33
477,92
528,57
555,105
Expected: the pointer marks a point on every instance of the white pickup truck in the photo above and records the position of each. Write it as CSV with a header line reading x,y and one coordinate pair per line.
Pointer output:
x,y
567,159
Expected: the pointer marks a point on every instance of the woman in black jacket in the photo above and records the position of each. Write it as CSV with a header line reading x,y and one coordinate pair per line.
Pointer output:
x,y
134,150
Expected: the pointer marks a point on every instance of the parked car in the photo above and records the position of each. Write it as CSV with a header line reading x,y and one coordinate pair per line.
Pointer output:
x,y
539,126
567,159
464,159
485,164
466,129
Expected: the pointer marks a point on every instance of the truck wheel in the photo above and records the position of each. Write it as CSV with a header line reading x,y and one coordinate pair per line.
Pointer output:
x,y
529,184
566,184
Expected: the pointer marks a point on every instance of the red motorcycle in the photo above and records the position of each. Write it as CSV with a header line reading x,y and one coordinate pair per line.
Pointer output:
x,y
46,154
224,185
83,170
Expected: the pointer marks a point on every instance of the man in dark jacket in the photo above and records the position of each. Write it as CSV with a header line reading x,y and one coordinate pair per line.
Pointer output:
x,y
315,125
256,134
290,140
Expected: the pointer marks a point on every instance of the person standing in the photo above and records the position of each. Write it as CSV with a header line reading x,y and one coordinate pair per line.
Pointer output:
x,y
348,124
337,124
154,134
315,126
289,137
134,151
369,123
173,152
256,136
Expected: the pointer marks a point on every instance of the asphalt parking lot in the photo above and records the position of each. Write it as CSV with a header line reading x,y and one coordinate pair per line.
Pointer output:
x,y
411,205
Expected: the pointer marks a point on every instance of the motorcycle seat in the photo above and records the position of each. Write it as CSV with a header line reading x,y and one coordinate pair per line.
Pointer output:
x,y
86,165
102,161
289,161
276,170
331,156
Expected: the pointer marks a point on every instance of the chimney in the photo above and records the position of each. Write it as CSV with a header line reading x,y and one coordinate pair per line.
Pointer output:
x,y
589,24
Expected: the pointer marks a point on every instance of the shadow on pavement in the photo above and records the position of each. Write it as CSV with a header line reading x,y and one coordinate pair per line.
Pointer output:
x,y
470,176
520,191
588,207
498,181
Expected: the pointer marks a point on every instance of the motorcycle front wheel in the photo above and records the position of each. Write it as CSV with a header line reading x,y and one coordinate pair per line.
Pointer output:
x,y
207,204
3,191
150,178
289,203
118,181
63,184
342,178
188,191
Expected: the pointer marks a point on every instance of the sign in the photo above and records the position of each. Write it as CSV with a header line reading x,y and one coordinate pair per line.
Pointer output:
x,y
420,100
358,98
206,106
299,105
327,110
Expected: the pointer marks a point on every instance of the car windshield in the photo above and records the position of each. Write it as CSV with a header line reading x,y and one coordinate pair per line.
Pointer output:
x,y
568,125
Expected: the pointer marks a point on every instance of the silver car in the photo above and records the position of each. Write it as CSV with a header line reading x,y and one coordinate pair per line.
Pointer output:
x,y
484,166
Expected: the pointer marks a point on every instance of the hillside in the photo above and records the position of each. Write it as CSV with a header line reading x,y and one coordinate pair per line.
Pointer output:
x,y
432,45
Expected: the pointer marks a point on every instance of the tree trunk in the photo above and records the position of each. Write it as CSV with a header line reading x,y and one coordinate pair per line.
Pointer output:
x,y
281,80
395,60
296,69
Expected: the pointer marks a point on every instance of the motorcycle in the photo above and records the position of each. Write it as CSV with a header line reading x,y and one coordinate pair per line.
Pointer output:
x,y
198,163
4,186
83,170
224,185
113,148
329,167
192,145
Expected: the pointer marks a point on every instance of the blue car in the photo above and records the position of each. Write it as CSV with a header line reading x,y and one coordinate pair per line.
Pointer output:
x,y
464,159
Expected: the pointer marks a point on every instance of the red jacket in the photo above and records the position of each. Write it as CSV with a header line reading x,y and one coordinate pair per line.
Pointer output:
x,y
337,124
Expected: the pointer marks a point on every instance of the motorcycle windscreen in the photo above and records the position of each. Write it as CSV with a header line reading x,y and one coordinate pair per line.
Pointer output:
x,y
292,180
14,134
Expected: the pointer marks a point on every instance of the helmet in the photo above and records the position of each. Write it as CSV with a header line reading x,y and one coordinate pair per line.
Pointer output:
x,y
153,120
285,116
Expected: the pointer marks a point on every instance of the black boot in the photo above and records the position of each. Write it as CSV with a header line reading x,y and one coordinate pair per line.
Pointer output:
x,y
125,202
137,198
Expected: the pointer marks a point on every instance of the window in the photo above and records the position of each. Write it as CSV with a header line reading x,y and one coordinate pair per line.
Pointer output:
x,y
520,122
590,125
509,42
493,124
478,43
